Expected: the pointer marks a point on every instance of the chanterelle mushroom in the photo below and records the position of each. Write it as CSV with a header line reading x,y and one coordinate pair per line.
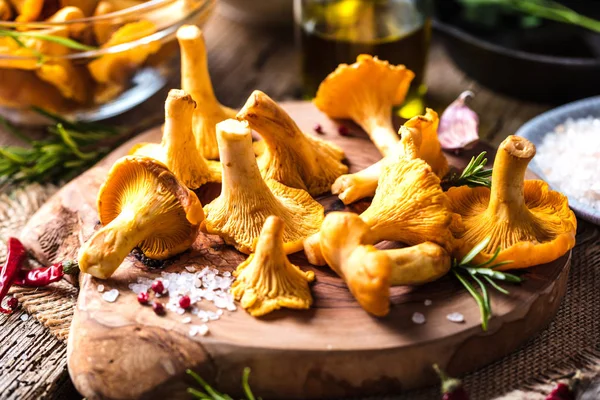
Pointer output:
x,y
347,246
267,280
196,81
246,200
365,92
178,149
527,221
141,204
291,157
353,187
409,205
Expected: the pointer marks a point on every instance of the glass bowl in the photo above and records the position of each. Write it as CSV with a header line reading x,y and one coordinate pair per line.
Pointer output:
x,y
96,67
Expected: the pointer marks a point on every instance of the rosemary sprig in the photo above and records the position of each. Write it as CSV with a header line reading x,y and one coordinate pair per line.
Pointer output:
x,y
482,274
546,9
60,156
69,43
211,394
473,175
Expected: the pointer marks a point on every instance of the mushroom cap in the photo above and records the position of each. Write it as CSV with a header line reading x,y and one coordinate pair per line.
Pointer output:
x,y
137,185
545,235
267,280
363,89
246,200
529,223
345,239
430,149
409,205
291,157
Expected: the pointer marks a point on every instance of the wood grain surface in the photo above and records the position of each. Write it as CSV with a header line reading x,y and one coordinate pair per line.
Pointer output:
x,y
122,350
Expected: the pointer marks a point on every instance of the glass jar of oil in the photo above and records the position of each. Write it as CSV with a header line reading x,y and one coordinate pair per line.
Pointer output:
x,y
331,32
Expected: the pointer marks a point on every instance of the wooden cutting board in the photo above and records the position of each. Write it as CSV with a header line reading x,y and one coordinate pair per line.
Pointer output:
x,y
122,350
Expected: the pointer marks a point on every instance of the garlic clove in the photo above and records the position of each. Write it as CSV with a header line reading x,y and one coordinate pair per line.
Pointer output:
x,y
459,124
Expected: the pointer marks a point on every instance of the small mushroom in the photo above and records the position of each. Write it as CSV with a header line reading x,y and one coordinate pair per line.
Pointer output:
x,y
141,204
353,187
6,12
347,246
527,221
178,149
409,205
72,81
70,13
365,92
27,10
267,280
291,157
246,200
195,80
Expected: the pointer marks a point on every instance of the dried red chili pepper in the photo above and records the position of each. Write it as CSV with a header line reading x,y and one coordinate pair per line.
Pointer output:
x,y
562,391
39,277
452,388
15,257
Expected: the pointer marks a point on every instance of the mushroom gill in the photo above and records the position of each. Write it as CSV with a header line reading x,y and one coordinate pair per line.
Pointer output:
x,y
195,80
267,280
178,149
141,204
527,221
291,157
246,200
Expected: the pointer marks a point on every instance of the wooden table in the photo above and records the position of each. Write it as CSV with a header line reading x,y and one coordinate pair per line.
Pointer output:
x,y
242,58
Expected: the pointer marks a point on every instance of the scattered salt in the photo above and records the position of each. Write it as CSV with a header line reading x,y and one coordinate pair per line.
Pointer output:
x,y
455,317
100,288
186,320
190,269
111,295
202,330
226,274
24,317
418,318
428,302
569,157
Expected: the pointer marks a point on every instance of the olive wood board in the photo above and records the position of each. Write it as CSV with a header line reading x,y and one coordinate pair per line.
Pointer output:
x,y
123,350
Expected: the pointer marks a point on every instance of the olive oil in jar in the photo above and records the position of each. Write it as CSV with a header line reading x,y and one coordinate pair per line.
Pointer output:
x,y
334,32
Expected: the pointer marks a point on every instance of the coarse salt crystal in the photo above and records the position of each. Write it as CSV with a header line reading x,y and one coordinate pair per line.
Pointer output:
x,y
202,330
190,269
226,274
100,288
418,318
428,302
186,320
455,317
110,296
24,317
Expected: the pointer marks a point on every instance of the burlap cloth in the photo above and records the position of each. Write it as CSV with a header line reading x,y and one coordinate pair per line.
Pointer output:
x,y
572,341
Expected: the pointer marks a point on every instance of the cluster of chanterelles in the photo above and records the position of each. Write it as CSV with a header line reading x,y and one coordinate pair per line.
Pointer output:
x,y
266,206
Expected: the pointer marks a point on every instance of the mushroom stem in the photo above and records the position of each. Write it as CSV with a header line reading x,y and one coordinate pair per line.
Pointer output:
x,y
507,195
382,132
107,248
416,265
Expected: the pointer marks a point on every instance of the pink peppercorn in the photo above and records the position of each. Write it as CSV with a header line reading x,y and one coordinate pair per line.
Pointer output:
x,y
158,308
143,298
12,303
319,129
562,391
185,302
158,287
343,130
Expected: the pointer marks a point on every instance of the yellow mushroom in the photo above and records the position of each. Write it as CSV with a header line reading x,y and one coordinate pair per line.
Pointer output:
x,y
178,149
27,10
267,281
246,200
347,246
72,81
141,204
18,87
6,12
195,80
527,221
291,157
70,13
409,205
353,187
365,92
87,7
117,68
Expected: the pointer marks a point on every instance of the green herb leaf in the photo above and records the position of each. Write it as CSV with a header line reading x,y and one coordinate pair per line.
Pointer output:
x,y
473,175
475,251
212,394
69,43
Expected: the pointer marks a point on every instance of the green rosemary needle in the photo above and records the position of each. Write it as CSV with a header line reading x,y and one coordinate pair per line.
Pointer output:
x,y
211,394
473,175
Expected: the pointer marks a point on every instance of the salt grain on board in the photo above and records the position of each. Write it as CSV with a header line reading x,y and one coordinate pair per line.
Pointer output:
x,y
24,317
100,288
428,302
569,157
186,320
418,318
455,317
110,296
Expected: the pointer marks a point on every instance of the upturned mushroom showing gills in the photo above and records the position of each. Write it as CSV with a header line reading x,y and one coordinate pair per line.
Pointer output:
x,y
353,187
195,80
527,222
141,204
409,205
178,149
267,281
291,157
246,200
365,92
347,246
